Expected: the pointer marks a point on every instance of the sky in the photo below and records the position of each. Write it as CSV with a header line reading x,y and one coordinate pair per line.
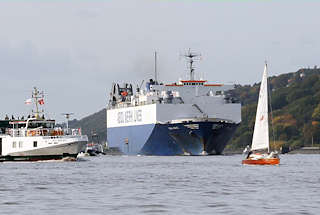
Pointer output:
x,y
74,49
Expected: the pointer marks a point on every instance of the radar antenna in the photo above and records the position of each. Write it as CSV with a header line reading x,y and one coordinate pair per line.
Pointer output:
x,y
38,99
191,57
67,115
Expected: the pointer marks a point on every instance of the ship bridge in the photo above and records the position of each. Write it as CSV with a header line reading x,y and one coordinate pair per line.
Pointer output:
x,y
193,83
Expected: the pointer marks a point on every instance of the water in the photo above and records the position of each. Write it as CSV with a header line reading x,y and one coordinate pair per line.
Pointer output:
x,y
161,185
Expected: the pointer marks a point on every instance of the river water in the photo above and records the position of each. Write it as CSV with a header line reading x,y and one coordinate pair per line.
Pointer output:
x,y
161,185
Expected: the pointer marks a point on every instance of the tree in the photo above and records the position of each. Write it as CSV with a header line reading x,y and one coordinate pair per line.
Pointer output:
x,y
316,113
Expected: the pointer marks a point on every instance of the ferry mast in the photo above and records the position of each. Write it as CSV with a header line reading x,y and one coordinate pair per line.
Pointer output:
x,y
36,95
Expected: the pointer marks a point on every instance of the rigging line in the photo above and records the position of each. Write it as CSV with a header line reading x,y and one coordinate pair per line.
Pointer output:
x,y
271,112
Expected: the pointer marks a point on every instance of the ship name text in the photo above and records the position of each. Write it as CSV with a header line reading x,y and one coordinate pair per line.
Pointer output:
x,y
130,116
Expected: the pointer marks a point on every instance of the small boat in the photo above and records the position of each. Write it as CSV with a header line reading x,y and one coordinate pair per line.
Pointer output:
x,y
95,147
260,140
37,138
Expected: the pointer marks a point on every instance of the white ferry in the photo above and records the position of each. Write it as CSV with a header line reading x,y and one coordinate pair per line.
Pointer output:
x,y
37,138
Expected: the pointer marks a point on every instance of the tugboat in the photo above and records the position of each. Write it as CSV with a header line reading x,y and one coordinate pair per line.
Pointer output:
x,y
37,138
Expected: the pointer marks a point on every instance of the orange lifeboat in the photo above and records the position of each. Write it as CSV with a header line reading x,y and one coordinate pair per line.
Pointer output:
x,y
124,93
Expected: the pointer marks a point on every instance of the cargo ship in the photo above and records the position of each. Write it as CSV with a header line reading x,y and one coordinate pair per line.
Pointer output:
x,y
188,117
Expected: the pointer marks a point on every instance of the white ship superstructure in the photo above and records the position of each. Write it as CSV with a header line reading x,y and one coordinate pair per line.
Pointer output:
x,y
187,117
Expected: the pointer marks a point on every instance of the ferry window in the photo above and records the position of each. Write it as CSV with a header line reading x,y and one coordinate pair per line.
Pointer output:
x,y
218,93
14,144
20,144
35,143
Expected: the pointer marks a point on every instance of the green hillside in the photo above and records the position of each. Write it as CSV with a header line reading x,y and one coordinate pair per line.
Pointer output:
x,y
95,123
295,99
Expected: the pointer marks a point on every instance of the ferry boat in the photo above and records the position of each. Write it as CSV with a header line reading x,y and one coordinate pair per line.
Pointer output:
x,y
189,117
36,138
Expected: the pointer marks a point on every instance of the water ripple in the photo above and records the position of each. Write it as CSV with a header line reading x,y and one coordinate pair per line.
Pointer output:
x,y
160,185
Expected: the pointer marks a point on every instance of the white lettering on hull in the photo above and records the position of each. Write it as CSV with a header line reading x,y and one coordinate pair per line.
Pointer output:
x,y
130,116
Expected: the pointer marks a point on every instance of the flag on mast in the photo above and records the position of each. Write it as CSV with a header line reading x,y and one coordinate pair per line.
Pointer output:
x,y
28,101
41,102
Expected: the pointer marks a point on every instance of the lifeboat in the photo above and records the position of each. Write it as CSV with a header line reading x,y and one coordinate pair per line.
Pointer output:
x,y
31,133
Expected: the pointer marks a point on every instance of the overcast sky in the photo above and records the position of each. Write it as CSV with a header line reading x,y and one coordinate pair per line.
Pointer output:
x,y
74,50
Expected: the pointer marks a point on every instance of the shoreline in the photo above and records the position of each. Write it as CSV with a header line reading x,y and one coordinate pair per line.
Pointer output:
x,y
303,150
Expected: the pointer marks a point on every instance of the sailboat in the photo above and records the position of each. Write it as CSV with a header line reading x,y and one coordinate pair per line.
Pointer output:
x,y
260,140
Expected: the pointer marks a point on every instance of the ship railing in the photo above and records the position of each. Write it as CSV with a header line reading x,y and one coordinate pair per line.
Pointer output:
x,y
125,105
23,132
72,131
15,132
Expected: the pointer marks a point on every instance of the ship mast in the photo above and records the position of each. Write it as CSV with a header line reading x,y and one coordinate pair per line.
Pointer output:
x,y
155,68
191,57
36,95
67,115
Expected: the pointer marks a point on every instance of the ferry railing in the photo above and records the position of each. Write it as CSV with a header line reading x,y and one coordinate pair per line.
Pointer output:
x,y
72,131
22,132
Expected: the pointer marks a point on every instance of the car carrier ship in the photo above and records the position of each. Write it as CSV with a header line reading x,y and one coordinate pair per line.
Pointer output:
x,y
189,117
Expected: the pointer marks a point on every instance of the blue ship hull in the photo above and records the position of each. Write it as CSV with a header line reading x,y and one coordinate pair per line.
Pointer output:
x,y
172,139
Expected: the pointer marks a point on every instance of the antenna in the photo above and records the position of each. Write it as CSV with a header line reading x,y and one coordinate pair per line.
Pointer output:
x,y
67,115
155,67
141,83
191,57
36,95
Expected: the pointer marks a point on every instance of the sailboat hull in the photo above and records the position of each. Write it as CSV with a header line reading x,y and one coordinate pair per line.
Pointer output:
x,y
263,161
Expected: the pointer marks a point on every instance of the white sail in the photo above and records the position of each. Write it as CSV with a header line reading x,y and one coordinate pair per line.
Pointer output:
x,y
261,128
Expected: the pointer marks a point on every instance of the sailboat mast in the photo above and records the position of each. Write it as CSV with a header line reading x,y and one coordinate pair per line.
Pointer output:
x,y
268,95
260,140
271,115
